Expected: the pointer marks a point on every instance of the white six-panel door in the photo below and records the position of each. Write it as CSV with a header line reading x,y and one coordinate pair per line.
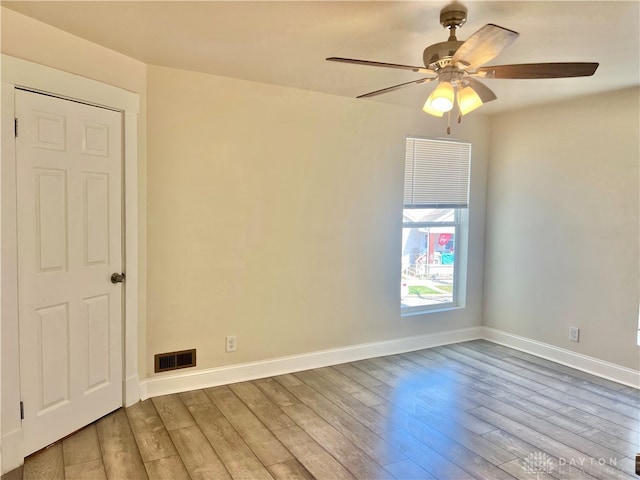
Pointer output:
x,y
69,202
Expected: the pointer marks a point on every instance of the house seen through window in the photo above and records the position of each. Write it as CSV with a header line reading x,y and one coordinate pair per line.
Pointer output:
x,y
434,224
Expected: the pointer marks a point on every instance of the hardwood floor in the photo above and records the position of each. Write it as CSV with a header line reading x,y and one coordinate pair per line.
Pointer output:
x,y
464,411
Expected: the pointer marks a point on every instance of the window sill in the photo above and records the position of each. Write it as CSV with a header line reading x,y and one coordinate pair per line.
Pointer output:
x,y
427,311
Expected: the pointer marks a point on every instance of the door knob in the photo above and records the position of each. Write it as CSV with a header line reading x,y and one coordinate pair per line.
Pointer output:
x,y
118,278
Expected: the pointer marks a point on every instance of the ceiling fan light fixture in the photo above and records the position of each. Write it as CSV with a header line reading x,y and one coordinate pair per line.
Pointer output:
x,y
468,100
442,98
430,110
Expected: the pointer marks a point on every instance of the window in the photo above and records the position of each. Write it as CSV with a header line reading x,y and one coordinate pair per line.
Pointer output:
x,y
434,225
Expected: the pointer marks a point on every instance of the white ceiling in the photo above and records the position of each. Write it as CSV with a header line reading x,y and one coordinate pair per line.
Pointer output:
x,y
285,43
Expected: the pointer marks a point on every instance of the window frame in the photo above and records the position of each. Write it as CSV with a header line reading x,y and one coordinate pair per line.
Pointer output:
x,y
460,267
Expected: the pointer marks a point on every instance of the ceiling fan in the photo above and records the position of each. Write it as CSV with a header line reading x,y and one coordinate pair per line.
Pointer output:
x,y
457,65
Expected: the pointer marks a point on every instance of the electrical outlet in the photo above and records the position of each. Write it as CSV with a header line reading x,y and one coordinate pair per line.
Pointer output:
x,y
231,343
574,334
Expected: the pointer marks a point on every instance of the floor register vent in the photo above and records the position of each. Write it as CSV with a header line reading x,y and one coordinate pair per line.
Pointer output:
x,y
175,360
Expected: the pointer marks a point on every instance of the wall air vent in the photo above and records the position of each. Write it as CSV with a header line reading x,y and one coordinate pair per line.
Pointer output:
x,y
175,360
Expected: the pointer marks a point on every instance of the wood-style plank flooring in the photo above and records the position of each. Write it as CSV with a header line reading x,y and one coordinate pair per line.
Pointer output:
x,y
470,410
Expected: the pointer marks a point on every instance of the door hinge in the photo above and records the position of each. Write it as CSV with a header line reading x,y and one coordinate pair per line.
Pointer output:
x,y
21,410
15,127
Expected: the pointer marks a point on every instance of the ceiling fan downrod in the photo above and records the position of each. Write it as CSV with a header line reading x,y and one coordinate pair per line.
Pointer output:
x,y
438,55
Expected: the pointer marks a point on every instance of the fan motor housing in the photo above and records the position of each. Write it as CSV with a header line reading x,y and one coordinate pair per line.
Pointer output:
x,y
438,56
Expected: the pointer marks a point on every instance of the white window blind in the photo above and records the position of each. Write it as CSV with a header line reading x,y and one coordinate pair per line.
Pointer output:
x,y
436,173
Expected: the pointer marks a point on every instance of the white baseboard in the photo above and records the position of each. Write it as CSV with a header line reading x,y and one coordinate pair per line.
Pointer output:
x,y
594,366
181,382
11,451
184,381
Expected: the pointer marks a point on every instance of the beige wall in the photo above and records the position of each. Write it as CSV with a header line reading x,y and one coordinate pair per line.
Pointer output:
x,y
274,212
29,39
275,215
562,225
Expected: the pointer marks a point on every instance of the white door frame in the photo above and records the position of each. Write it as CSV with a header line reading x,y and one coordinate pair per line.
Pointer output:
x,y
36,77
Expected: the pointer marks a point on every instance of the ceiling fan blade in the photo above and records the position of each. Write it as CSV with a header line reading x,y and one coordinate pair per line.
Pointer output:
x,y
381,64
484,45
539,70
484,92
395,87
